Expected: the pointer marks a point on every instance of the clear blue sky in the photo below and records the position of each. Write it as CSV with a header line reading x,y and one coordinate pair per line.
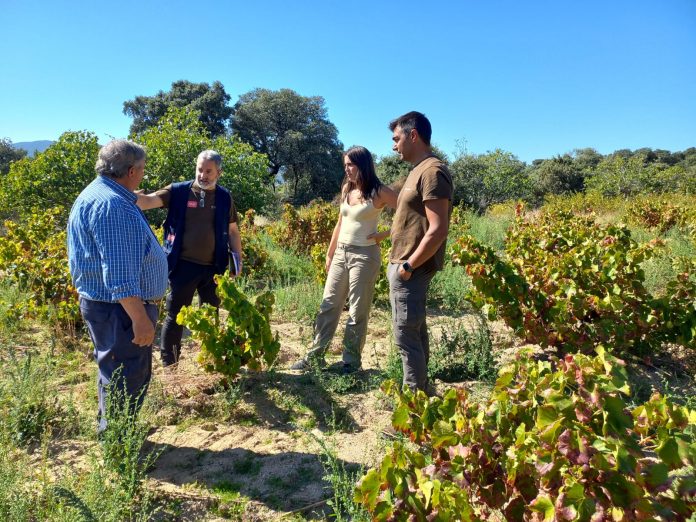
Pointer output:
x,y
533,78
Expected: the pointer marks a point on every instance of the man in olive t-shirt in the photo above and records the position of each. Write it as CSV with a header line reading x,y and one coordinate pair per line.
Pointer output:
x,y
195,256
418,234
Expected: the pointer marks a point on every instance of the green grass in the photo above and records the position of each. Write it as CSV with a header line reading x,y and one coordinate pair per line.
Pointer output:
x,y
463,352
29,398
449,288
298,302
341,481
11,300
285,266
488,230
231,504
659,269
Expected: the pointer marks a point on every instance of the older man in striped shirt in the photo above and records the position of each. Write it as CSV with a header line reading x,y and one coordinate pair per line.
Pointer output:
x,y
119,270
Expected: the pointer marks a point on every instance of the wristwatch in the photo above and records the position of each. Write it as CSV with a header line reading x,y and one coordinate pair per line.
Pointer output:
x,y
407,266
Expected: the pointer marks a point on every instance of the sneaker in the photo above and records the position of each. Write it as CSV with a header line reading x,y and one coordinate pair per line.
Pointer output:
x,y
389,433
301,366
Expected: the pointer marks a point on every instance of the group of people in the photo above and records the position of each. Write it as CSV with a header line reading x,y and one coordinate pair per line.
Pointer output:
x,y
121,271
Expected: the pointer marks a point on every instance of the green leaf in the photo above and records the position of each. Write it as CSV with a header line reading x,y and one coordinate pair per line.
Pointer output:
x,y
400,417
657,475
546,415
543,504
616,420
668,451
443,435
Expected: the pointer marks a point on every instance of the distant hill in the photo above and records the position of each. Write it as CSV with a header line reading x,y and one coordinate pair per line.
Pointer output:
x,y
33,146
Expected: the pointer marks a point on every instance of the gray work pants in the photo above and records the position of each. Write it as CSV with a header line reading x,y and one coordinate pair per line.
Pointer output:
x,y
408,318
353,274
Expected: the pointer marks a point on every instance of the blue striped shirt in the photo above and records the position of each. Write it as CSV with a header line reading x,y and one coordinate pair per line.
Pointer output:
x,y
112,251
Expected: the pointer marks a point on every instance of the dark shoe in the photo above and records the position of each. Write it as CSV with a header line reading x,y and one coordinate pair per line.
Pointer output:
x,y
347,369
303,365
431,391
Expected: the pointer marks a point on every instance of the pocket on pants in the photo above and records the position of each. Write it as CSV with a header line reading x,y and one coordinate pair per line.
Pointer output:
x,y
409,310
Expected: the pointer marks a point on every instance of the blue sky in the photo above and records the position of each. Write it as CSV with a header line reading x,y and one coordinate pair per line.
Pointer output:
x,y
534,78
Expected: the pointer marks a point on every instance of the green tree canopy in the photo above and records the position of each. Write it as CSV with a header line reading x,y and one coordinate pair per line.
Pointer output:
x,y
559,175
174,144
392,169
481,180
295,133
209,100
8,154
618,175
54,177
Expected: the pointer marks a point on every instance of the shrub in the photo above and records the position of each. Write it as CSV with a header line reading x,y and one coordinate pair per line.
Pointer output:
x,y
174,144
463,353
486,179
255,255
122,444
33,256
572,283
619,176
659,214
28,404
244,339
301,229
53,178
555,441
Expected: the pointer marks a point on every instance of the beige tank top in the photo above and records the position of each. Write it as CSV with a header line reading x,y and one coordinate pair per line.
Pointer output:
x,y
357,222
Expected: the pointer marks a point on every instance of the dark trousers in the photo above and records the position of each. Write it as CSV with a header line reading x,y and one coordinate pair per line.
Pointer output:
x,y
184,281
409,322
123,366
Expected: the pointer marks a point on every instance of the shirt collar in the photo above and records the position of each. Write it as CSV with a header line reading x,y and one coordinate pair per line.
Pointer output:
x,y
118,188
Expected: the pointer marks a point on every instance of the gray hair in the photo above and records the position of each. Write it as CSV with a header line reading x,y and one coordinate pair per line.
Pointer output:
x,y
117,156
210,155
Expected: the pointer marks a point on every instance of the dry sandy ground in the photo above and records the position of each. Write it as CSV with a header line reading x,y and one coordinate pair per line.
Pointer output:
x,y
270,450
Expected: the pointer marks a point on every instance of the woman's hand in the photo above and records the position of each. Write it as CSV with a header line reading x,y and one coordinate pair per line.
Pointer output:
x,y
328,262
379,236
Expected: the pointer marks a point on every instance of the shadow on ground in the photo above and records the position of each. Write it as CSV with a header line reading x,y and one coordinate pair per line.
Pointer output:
x,y
285,481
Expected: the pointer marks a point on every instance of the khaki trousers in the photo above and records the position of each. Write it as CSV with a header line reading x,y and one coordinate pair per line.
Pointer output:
x,y
353,274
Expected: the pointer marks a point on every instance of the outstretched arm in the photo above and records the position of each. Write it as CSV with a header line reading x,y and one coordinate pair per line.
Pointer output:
x,y
385,197
148,201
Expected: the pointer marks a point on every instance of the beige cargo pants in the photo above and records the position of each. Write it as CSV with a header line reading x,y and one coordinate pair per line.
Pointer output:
x,y
353,274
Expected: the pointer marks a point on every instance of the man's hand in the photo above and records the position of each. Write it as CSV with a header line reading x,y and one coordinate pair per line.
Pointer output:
x,y
327,265
143,332
143,329
403,274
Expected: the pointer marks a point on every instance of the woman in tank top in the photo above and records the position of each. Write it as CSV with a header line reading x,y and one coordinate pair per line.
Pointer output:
x,y
353,261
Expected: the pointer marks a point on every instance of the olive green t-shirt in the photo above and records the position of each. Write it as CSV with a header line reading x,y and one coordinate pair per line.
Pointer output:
x,y
198,243
428,180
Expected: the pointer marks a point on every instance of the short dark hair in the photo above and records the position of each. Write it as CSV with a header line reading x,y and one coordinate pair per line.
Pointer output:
x,y
413,120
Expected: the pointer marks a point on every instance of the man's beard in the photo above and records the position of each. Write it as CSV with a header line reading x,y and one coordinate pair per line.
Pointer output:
x,y
207,186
